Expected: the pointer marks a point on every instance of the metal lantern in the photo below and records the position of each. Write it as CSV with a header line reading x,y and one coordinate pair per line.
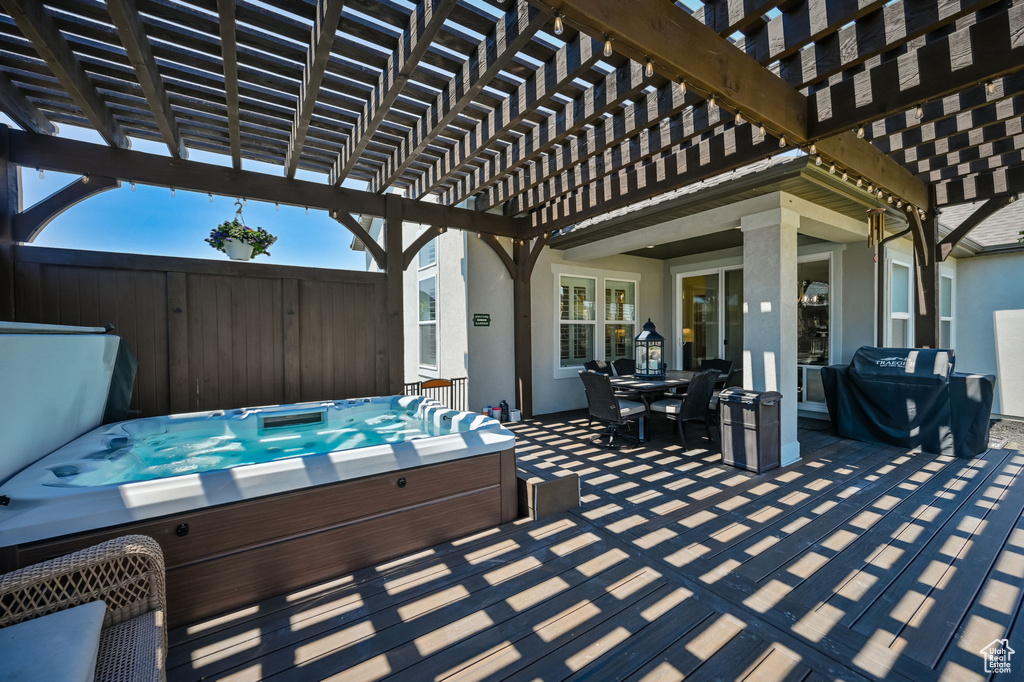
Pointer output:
x,y
649,346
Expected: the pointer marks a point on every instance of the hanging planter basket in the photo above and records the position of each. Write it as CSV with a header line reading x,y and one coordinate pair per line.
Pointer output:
x,y
238,240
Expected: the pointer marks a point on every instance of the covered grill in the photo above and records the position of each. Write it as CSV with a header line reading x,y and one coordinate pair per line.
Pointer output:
x,y
911,398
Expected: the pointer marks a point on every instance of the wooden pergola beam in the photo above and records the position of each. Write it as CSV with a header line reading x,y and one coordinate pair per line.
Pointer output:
x,y
983,213
683,47
424,23
35,22
510,34
975,54
325,26
83,158
572,60
22,110
410,251
30,222
128,22
725,17
229,57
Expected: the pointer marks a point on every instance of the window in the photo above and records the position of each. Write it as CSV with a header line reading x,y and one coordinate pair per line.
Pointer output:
x,y
577,320
900,297
619,319
945,311
428,304
428,254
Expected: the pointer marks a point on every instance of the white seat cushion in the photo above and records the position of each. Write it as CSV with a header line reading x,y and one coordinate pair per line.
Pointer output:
x,y
667,405
628,408
58,646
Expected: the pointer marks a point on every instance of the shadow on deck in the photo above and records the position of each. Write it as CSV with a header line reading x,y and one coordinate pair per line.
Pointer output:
x,y
860,561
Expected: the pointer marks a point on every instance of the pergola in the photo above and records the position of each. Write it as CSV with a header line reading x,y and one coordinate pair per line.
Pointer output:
x,y
515,118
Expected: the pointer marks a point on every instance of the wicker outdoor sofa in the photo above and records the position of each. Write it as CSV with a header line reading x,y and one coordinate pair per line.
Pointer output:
x,y
128,574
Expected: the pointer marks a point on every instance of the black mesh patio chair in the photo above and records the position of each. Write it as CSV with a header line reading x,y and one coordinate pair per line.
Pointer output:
x,y
692,406
624,366
723,366
606,407
599,366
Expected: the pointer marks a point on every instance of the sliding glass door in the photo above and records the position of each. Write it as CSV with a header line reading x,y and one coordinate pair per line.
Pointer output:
x,y
700,319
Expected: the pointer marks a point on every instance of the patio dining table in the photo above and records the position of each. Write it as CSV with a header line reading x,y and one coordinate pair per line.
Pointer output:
x,y
648,388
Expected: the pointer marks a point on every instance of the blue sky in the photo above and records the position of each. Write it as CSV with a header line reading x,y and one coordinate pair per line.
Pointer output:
x,y
151,221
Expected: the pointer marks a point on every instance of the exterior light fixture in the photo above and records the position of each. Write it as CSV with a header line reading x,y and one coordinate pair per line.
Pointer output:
x,y
682,87
133,185
813,150
607,47
817,160
42,175
649,347
860,132
712,102
649,69
211,197
990,87
846,176
920,113
782,141
761,129
559,25
832,169
739,118
172,192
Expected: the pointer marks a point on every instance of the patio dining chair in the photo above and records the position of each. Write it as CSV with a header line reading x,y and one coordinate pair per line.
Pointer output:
x,y
624,367
694,405
607,407
723,366
599,366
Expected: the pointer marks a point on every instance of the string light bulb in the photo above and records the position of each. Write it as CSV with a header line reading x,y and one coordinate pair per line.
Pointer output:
x,y
559,25
307,210
890,199
782,141
682,87
860,132
991,87
133,185
919,112
277,206
607,47
761,129
712,101
85,179
899,204
846,176
814,150
649,69
1013,198
871,188
817,160
172,192
832,169
211,197
739,118
42,175
860,182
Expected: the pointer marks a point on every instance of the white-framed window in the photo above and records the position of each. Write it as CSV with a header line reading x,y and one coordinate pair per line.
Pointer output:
x,y
947,292
427,314
901,304
577,320
619,318
596,319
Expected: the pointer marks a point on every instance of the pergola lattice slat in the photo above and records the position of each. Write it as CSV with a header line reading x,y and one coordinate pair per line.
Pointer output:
x,y
510,34
36,23
126,18
226,12
22,110
424,23
985,50
987,185
328,15
572,60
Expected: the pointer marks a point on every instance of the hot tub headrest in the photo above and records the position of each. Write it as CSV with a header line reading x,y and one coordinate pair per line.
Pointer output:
x,y
919,366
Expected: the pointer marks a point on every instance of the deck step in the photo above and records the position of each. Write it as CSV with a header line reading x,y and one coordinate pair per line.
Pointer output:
x,y
543,493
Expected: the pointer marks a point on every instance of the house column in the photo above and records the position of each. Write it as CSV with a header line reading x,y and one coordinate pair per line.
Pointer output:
x,y
770,314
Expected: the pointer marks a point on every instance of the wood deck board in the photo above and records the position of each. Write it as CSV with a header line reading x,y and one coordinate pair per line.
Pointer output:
x,y
674,566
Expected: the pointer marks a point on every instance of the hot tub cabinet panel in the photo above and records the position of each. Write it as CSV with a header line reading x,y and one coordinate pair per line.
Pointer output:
x,y
224,557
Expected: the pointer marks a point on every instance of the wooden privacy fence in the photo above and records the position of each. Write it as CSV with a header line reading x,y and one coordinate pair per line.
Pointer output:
x,y
218,334
449,392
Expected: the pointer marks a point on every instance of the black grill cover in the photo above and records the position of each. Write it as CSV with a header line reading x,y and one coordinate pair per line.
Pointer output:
x,y
910,397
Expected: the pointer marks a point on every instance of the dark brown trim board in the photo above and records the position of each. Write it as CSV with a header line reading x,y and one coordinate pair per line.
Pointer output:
x,y
225,557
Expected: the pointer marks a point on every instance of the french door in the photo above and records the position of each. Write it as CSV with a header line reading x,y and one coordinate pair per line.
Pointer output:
x,y
710,317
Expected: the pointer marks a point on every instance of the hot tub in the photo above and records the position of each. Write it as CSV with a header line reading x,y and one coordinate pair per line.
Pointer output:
x,y
250,503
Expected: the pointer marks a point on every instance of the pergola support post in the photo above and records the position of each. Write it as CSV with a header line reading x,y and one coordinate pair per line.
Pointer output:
x,y
522,329
9,207
926,282
524,257
394,271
